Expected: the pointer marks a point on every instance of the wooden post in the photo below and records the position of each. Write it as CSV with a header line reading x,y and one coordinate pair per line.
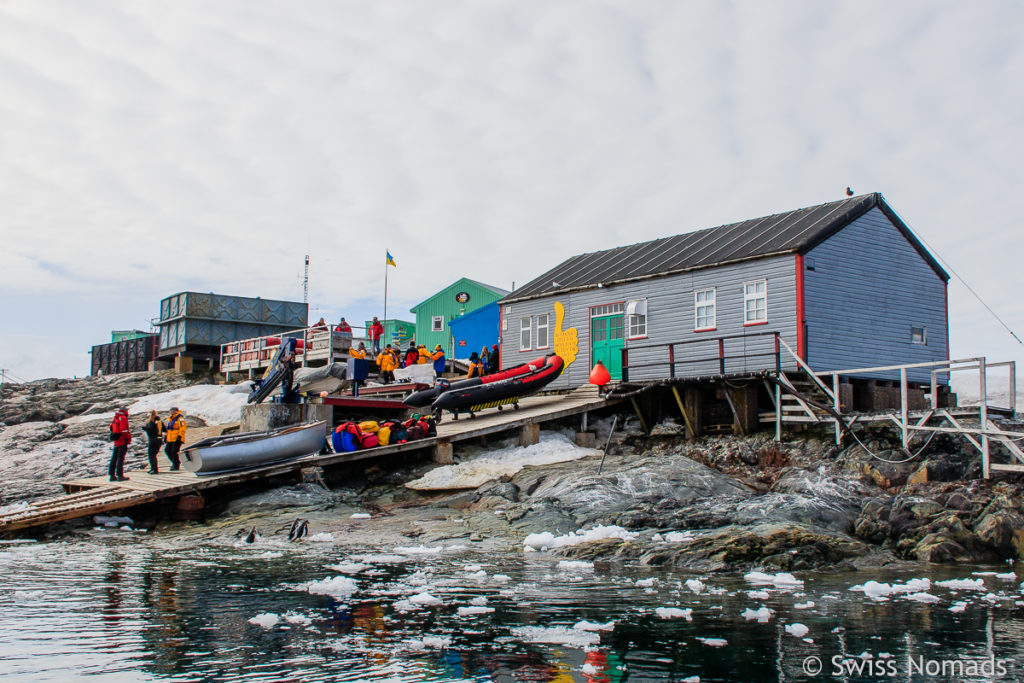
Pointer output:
x,y
737,423
529,434
691,433
444,454
640,416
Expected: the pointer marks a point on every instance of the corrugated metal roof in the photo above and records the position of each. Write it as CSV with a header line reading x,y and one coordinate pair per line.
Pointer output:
x,y
793,231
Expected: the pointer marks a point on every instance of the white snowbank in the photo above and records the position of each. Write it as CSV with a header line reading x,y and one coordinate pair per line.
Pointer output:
x,y
266,620
1008,576
215,403
798,630
553,447
20,506
680,536
556,635
547,540
335,586
780,580
674,613
360,515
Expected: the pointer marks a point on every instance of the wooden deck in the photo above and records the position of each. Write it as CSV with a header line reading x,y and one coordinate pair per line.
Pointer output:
x,y
97,495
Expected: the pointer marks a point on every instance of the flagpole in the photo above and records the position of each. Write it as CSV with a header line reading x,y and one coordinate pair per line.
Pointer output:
x,y
385,290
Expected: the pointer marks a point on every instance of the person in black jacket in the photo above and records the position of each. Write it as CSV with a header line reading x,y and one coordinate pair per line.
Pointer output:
x,y
154,429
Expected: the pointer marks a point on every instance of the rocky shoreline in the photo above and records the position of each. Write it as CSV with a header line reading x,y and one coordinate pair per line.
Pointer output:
x,y
715,504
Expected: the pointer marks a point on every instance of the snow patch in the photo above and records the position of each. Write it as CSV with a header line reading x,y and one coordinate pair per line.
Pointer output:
x,y
713,642
474,609
780,580
553,447
591,626
963,584
762,615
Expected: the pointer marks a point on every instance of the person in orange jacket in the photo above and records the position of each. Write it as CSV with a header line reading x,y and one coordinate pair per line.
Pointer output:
x,y
359,352
121,436
175,431
439,359
387,361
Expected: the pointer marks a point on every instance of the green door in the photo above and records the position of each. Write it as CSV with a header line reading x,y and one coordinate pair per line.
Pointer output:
x,y
606,343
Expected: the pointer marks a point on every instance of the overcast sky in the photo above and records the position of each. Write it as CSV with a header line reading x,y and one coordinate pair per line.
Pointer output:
x,y
148,148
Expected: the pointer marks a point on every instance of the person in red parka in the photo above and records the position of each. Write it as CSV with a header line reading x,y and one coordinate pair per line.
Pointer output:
x,y
119,432
376,332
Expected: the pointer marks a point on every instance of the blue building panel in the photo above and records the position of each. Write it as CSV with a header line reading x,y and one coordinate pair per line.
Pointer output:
x,y
868,298
473,331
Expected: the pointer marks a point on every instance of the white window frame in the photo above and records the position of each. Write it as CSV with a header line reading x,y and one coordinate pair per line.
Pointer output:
x,y
437,323
923,341
525,326
636,319
707,303
755,296
543,323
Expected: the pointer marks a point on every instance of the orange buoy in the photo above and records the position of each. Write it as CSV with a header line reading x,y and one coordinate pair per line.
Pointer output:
x,y
600,375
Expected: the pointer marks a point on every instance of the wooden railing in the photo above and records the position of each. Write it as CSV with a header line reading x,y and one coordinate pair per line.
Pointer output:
x,y
675,357
315,343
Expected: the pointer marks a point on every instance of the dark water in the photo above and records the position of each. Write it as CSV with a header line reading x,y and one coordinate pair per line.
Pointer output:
x,y
125,606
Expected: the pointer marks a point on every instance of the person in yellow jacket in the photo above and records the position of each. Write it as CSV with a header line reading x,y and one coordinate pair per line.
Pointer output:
x,y
424,356
387,361
174,432
358,352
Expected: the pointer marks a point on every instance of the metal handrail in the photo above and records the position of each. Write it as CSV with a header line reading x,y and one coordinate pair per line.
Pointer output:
x,y
721,357
807,368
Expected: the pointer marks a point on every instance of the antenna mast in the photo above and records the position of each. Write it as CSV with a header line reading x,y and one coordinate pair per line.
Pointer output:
x,y
305,283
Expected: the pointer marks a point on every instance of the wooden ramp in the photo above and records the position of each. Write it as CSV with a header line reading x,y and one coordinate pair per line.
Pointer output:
x,y
97,495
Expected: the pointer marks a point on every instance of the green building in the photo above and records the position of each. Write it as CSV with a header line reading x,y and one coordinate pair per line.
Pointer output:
x,y
395,331
121,335
457,299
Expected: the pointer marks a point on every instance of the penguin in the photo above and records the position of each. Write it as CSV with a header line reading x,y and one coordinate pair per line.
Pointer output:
x,y
300,528
252,536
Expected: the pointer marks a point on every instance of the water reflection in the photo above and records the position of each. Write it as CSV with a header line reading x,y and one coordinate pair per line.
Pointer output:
x,y
130,607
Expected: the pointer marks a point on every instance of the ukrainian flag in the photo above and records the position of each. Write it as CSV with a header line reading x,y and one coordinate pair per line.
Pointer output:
x,y
390,259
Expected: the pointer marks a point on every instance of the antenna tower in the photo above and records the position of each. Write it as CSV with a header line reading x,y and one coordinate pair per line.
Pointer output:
x,y
305,283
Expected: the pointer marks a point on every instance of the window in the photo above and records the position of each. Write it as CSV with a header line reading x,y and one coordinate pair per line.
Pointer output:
x,y
437,324
755,302
524,335
918,335
636,312
704,310
542,331
607,309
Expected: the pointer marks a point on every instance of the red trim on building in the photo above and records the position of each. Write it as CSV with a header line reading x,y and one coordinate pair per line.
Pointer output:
x,y
759,322
946,292
801,338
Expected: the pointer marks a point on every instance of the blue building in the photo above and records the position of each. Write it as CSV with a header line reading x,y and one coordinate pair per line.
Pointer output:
x,y
473,331
844,284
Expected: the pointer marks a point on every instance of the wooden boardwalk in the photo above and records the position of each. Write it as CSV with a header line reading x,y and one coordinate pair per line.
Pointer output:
x,y
97,495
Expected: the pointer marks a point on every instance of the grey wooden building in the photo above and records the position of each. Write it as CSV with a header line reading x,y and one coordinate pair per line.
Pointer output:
x,y
844,284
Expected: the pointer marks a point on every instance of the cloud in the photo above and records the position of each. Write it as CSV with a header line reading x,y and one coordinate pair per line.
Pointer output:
x,y
153,149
